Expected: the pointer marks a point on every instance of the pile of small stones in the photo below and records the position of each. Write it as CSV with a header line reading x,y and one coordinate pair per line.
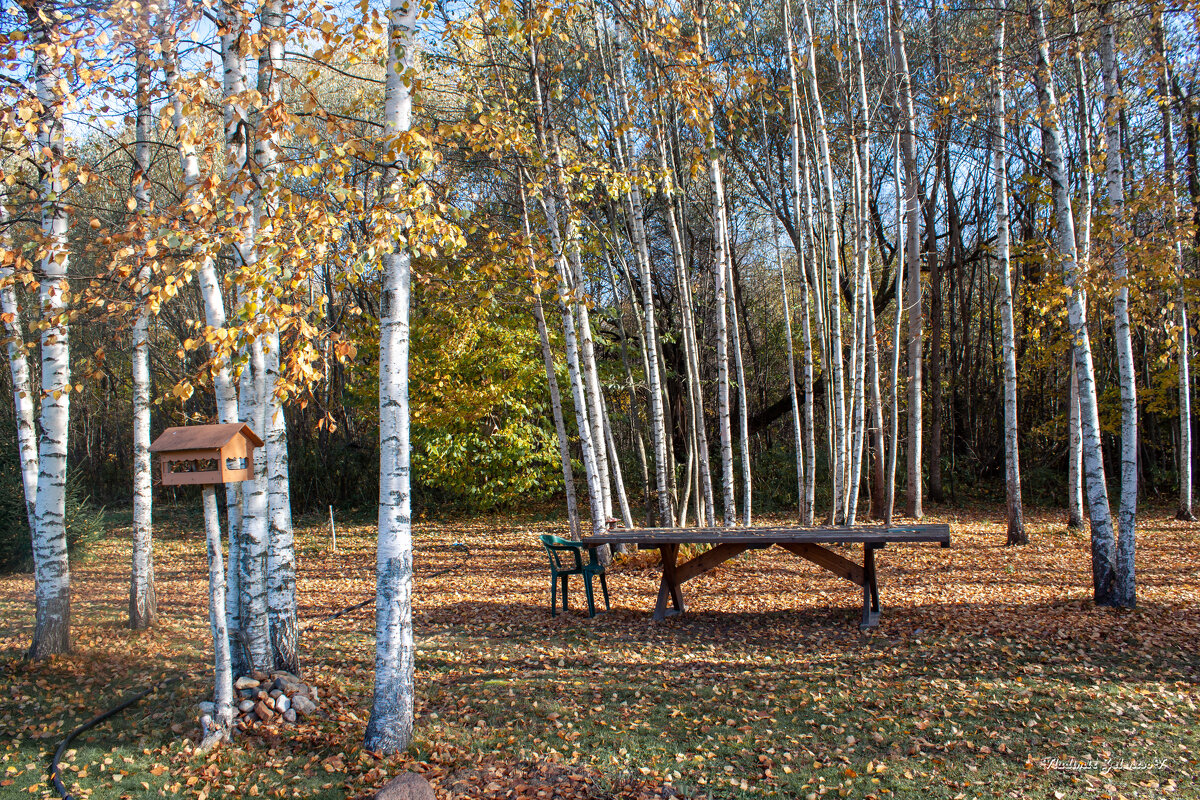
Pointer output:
x,y
277,697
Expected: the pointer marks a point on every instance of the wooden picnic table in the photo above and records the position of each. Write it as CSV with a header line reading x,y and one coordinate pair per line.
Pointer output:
x,y
806,543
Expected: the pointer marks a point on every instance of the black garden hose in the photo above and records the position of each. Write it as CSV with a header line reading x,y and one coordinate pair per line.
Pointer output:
x,y
56,770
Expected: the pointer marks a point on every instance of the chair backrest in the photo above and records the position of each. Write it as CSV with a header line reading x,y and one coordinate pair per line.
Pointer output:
x,y
564,554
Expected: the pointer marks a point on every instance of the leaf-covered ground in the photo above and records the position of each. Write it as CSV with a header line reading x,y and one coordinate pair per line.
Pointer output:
x,y
991,675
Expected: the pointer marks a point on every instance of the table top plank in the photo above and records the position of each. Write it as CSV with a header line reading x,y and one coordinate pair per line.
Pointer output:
x,y
938,533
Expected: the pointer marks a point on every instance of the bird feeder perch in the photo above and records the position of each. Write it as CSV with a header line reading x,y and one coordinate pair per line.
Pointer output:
x,y
206,454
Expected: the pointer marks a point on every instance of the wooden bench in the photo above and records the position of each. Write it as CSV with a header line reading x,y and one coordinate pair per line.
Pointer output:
x,y
803,542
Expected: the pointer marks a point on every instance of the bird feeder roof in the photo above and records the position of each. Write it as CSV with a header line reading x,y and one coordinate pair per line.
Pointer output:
x,y
202,437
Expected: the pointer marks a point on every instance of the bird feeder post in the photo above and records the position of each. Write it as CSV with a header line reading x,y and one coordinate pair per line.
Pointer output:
x,y
205,455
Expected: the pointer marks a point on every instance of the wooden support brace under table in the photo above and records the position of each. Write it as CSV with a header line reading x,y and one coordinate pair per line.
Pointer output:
x,y
727,543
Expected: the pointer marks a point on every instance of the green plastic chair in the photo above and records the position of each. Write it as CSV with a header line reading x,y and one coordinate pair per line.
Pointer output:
x,y
566,558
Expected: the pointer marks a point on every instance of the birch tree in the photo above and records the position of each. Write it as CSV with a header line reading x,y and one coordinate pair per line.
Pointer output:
x,y
390,728
908,134
1099,514
1124,592
18,366
219,729
1012,464
143,606
52,575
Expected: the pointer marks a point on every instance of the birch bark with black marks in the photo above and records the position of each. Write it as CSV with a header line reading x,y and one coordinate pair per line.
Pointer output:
x,y
566,303
1125,585
52,574
143,605
221,729
281,549
252,633
1012,463
1075,512
18,368
560,426
390,727
912,178
214,317
1103,544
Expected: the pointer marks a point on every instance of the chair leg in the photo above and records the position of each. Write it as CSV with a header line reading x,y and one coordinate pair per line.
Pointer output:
x,y
587,589
553,595
564,580
604,586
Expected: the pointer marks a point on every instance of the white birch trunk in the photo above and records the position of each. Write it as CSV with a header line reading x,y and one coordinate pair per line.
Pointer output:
x,y
281,551
560,426
52,575
214,316
1125,584
914,506
729,510
894,445
740,374
143,605
22,386
390,729
1012,463
221,729
1103,544
1074,453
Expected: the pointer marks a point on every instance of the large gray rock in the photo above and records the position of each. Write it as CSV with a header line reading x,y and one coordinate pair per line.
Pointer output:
x,y
288,683
246,706
409,786
304,706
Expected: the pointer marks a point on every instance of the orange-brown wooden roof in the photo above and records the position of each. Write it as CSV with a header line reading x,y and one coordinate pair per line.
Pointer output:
x,y
202,437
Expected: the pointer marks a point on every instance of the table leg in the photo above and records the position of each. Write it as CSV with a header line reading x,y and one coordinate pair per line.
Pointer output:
x,y
871,607
669,587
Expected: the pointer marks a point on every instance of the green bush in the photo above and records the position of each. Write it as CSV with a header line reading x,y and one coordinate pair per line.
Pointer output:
x,y
85,523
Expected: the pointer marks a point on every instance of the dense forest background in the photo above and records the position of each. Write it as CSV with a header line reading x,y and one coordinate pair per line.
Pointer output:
x,y
483,434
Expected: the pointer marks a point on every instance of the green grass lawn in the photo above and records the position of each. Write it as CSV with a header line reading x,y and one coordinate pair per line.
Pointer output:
x,y
991,675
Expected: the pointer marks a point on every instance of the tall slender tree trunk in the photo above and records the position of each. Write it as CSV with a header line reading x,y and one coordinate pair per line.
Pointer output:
x,y
1012,464
1125,584
560,426
143,605
894,447
908,133
1166,100
390,728
281,550
18,365
1103,544
740,374
1074,452
221,729
52,574
214,315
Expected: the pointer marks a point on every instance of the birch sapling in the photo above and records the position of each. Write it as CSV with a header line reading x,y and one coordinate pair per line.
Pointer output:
x,y
219,729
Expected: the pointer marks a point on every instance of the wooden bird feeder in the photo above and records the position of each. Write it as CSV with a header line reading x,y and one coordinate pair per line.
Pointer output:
x,y
206,454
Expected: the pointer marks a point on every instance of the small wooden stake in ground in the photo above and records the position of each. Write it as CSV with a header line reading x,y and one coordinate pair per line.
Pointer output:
x,y
332,529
